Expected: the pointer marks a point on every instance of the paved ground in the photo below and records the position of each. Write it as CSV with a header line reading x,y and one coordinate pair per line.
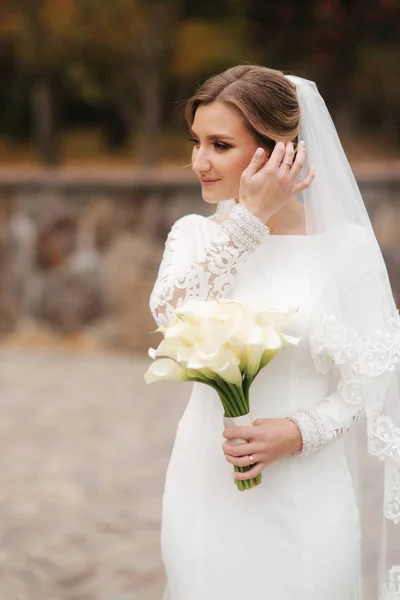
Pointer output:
x,y
84,446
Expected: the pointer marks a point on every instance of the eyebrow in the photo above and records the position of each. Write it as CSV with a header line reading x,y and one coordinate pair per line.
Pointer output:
x,y
215,136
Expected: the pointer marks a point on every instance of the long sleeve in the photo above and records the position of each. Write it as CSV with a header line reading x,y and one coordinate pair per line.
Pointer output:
x,y
362,344
183,275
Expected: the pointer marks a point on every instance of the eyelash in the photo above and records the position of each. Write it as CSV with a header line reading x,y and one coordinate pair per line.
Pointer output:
x,y
217,145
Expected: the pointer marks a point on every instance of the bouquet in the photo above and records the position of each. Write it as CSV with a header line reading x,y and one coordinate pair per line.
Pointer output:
x,y
223,344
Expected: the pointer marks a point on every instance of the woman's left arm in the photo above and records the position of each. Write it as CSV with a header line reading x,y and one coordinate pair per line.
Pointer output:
x,y
363,344
334,416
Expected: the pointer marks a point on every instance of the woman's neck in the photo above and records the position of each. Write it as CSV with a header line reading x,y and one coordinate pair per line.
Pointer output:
x,y
291,218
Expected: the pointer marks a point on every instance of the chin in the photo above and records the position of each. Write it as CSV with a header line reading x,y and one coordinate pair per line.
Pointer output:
x,y
211,198
214,198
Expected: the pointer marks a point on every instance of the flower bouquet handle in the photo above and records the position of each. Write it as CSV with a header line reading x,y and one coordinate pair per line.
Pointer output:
x,y
223,344
242,421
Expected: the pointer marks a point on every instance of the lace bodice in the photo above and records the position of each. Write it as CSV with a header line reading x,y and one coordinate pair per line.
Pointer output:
x,y
182,276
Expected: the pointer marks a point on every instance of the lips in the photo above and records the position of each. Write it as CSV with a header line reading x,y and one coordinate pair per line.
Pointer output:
x,y
207,182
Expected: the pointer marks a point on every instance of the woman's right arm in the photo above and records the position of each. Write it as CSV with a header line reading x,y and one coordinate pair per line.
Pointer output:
x,y
182,277
265,186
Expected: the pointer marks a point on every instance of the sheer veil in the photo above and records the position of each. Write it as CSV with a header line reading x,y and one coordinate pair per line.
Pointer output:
x,y
355,329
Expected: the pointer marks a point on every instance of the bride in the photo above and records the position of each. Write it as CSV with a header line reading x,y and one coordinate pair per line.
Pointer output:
x,y
298,235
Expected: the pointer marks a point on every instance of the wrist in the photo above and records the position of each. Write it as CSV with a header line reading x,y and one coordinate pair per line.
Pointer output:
x,y
294,437
263,216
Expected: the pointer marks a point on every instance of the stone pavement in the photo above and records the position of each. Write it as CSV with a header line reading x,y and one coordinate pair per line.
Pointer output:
x,y
84,447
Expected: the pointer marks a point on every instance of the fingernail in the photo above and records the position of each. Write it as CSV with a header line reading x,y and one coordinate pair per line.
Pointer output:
x,y
259,151
234,475
302,143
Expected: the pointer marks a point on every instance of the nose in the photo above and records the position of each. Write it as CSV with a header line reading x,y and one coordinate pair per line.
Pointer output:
x,y
200,161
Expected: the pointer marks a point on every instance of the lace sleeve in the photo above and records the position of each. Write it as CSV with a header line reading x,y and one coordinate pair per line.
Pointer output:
x,y
363,343
181,276
366,367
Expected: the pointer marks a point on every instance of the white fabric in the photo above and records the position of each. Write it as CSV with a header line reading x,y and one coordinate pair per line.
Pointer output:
x,y
297,535
358,321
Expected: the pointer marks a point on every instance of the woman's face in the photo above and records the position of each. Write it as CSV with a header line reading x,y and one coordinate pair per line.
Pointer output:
x,y
223,148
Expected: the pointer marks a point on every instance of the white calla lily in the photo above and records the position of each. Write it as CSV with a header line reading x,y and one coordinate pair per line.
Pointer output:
x,y
222,343
164,368
168,347
271,339
198,310
267,356
221,360
290,339
253,356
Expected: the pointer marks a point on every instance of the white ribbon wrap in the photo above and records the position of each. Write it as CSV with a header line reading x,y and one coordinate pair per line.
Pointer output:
x,y
242,421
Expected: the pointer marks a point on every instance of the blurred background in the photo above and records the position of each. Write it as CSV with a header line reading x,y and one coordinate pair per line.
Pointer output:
x,y
93,148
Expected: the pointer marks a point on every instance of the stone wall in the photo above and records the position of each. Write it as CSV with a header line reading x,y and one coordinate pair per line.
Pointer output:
x,y
79,254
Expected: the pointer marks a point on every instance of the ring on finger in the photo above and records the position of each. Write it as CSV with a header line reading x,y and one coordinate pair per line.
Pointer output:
x,y
251,458
287,163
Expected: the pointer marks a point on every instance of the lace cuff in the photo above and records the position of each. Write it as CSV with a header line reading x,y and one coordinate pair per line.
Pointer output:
x,y
244,227
312,429
315,431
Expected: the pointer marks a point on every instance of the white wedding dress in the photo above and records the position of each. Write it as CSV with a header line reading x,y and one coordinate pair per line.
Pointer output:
x,y
297,535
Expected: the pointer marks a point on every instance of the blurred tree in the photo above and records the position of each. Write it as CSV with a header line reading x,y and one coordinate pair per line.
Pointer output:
x,y
102,75
204,47
113,53
42,36
335,42
208,41
124,62
160,25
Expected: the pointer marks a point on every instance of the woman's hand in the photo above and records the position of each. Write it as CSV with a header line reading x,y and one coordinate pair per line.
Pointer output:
x,y
265,186
268,440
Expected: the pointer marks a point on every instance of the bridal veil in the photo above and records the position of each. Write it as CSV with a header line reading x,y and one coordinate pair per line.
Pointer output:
x,y
356,330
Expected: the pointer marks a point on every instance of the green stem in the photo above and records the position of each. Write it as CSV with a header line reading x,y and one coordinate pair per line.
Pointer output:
x,y
246,484
225,401
246,389
234,411
223,390
242,400
236,392
240,404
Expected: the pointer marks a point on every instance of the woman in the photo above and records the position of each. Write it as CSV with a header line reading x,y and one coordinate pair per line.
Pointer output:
x,y
281,236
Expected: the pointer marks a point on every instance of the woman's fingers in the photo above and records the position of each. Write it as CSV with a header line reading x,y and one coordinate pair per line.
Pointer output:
x,y
274,161
288,157
299,161
240,449
244,432
255,164
305,183
251,473
241,461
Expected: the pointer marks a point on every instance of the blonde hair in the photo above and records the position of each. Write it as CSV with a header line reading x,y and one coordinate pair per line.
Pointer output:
x,y
265,98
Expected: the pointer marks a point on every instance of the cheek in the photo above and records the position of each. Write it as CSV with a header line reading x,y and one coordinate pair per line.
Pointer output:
x,y
237,164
